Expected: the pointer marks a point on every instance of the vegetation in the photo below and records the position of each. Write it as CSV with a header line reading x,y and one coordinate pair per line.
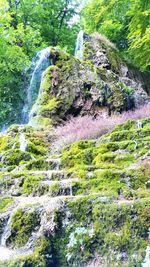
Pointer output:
x,y
124,22
85,127
106,166
5,202
25,28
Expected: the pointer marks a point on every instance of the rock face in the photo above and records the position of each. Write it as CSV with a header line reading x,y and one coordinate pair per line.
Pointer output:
x,y
88,204
101,83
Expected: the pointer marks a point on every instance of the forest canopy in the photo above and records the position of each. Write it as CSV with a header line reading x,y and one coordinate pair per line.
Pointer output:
x,y
124,22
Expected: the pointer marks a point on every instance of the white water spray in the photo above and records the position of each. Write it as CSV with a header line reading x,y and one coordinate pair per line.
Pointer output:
x,y
23,142
79,51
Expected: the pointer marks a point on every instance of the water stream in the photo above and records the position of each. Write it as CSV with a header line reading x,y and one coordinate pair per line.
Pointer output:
x,y
23,142
38,66
5,234
79,51
5,252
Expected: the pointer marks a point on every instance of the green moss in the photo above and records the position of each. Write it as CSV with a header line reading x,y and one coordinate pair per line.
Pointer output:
x,y
41,121
114,59
55,190
14,157
36,164
138,177
33,260
80,153
32,185
93,186
5,202
23,223
50,106
36,149
91,162
116,229
46,81
130,135
131,125
3,142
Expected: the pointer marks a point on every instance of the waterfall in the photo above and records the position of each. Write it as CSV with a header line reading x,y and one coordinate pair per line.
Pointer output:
x,y
23,142
139,124
38,66
146,262
6,233
79,51
7,253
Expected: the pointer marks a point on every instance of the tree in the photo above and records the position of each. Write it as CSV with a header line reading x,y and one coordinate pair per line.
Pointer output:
x,y
124,22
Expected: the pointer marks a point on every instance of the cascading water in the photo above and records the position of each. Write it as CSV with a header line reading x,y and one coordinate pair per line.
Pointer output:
x,y
38,66
79,51
6,232
5,252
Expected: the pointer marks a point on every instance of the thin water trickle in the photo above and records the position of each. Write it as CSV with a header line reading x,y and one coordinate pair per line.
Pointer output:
x,y
6,233
39,65
71,190
79,51
139,124
23,142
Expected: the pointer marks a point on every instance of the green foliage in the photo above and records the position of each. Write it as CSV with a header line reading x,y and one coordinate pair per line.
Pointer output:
x,y
125,22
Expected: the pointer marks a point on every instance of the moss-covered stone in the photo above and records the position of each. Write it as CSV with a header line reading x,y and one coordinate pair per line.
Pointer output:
x,y
5,202
73,87
122,152
23,223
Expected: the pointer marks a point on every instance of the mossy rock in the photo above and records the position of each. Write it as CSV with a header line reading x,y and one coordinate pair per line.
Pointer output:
x,y
23,223
14,157
5,202
73,87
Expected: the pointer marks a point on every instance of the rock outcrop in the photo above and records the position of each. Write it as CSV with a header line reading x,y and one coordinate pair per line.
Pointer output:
x,y
100,83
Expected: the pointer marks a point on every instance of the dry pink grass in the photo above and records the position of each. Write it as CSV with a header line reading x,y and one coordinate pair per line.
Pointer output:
x,y
81,128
